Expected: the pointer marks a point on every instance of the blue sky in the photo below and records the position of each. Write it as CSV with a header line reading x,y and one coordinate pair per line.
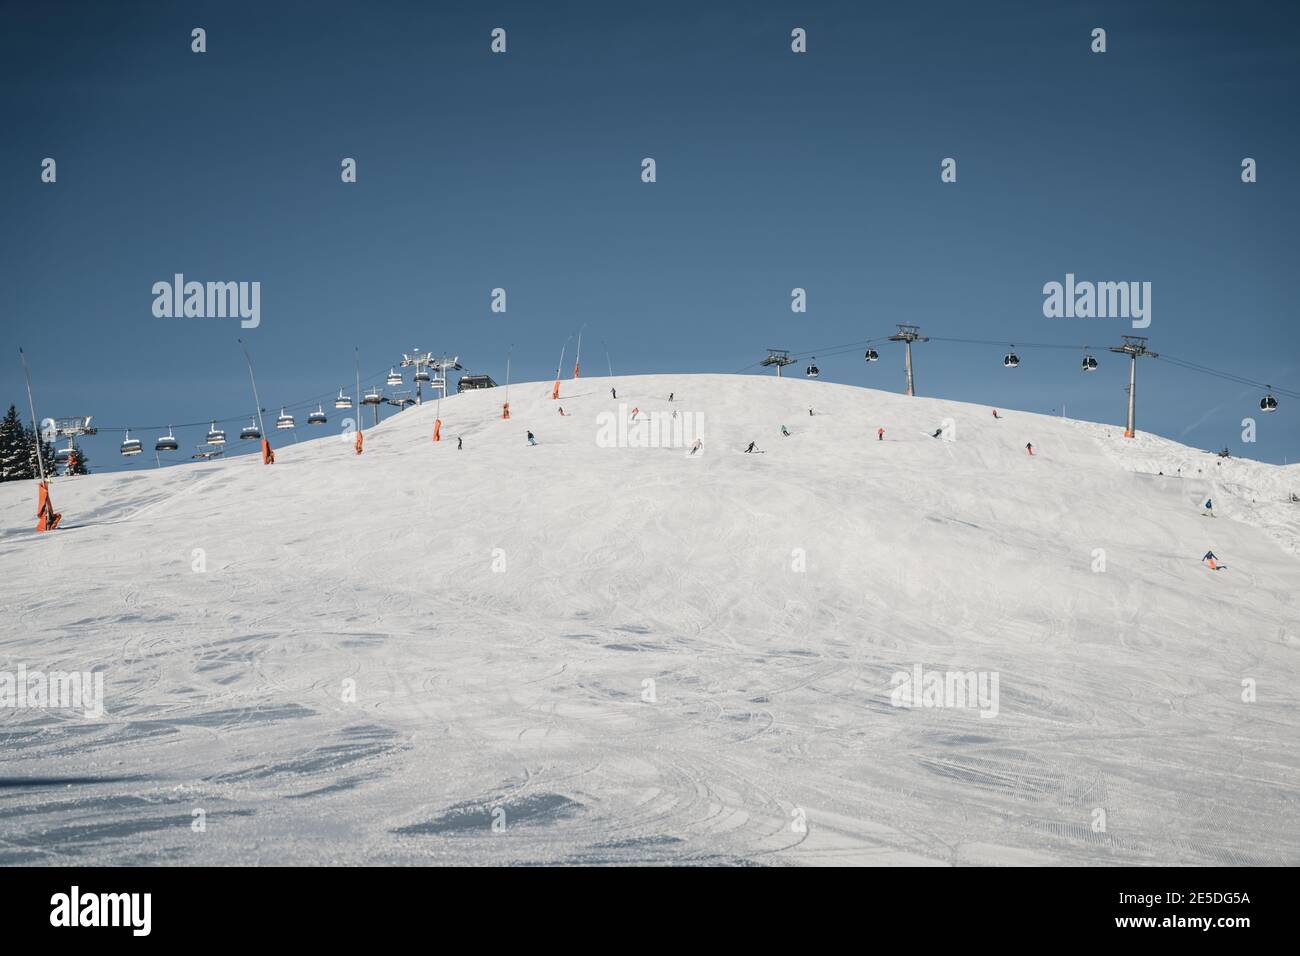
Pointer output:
x,y
775,171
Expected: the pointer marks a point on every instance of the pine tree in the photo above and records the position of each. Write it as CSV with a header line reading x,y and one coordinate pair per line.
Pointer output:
x,y
15,451
47,455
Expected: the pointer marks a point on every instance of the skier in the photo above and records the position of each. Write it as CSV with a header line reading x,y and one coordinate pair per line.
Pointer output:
x,y
635,410
562,411
613,394
1212,560
531,439
1209,507
810,411
937,432
670,396
785,431
880,433
750,448
459,442
996,415
1029,447
698,444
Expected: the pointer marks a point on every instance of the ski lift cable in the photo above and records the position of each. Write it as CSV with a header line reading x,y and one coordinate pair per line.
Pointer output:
x,y
238,418
1227,376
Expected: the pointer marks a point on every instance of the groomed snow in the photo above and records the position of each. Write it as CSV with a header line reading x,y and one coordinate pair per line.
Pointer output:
x,y
516,694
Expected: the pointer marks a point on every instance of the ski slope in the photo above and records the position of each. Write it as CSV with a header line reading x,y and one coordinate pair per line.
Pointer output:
x,y
499,611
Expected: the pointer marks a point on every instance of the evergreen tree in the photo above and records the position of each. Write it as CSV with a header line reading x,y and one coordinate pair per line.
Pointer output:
x,y
15,451
47,455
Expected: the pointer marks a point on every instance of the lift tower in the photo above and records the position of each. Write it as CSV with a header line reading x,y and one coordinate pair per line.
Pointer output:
x,y
907,334
1134,345
778,357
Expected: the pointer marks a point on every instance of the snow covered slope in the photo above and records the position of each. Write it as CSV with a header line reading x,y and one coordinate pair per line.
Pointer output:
x,y
632,654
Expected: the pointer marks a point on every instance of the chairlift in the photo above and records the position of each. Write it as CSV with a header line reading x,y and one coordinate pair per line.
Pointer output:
x,y
1010,360
394,377
343,401
1089,364
872,355
62,456
216,436
317,417
131,446
373,396
422,374
166,442
813,371
284,421
1268,404
249,432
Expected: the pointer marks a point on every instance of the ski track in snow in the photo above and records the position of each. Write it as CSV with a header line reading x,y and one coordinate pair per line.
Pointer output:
x,y
515,696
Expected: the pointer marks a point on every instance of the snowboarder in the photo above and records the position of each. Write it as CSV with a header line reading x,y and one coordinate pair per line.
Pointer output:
x,y
937,432
1209,507
531,439
785,431
1212,560
1029,447
880,433
750,448
996,415
459,442
696,446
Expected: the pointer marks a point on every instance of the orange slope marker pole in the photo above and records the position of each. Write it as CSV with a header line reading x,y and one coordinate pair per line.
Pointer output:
x,y
268,457
505,409
555,392
357,361
577,360
47,519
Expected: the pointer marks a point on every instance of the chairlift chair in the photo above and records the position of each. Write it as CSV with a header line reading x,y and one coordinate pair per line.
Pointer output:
x,y
249,432
813,371
394,377
1010,360
317,417
166,442
284,421
872,355
1268,404
1089,364
216,436
131,446
422,374
62,456
343,401
373,396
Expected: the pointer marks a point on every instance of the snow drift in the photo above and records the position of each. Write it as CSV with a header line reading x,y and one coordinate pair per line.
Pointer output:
x,y
582,653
